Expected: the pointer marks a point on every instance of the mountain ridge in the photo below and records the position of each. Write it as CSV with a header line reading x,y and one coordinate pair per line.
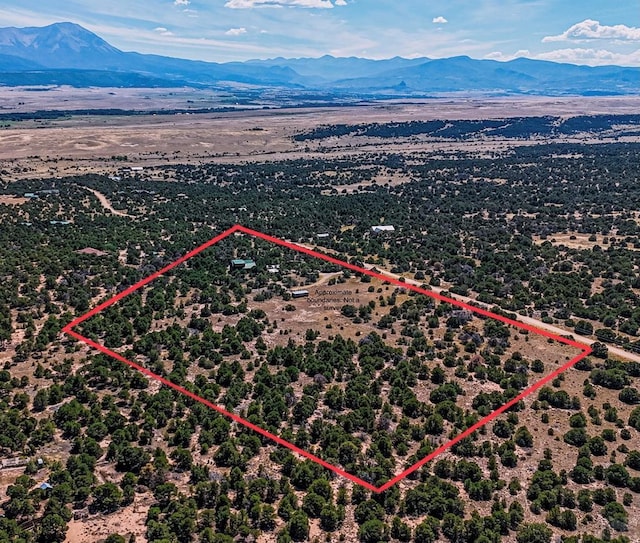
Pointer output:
x,y
69,53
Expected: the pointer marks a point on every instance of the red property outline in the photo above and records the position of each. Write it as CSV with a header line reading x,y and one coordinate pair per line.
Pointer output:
x,y
586,350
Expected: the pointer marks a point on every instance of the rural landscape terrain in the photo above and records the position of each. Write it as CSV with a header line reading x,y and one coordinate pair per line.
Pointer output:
x,y
413,318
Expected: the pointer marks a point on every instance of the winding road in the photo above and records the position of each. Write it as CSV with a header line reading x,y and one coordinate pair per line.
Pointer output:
x,y
104,201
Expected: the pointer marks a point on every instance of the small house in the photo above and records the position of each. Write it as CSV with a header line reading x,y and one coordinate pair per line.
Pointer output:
x,y
382,228
242,264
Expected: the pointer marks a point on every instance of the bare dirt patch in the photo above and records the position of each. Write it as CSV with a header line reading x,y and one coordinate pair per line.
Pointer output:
x,y
13,200
574,240
126,522
577,240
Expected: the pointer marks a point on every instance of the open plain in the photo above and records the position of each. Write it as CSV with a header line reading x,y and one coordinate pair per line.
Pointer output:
x,y
103,143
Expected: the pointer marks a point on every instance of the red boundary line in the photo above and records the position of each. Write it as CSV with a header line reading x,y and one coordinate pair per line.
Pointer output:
x,y
68,329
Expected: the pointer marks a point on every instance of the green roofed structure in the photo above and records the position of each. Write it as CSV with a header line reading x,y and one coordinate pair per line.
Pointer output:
x,y
242,264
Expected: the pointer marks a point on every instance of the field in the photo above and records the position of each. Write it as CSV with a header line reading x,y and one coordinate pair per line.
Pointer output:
x,y
91,144
524,208
299,332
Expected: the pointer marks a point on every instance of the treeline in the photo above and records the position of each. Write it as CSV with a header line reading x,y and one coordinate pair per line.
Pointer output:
x,y
518,127
51,114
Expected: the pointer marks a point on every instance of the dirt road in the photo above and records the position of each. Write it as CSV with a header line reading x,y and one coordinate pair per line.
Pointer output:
x,y
620,353
104,201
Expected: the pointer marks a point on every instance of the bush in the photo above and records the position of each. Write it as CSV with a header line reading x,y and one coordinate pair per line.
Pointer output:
x,y
612,378
373,531
107,498
577,421
597,446
576,437
634,419
633,460
534,533
615,513
629,395
617,475
298,526
523,437
400,530
368,510
427,531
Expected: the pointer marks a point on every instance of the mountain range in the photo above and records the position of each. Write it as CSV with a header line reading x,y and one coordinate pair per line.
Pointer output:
x,y
67,53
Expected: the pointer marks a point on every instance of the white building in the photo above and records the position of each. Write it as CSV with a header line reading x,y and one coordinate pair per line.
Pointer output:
x,y
382,228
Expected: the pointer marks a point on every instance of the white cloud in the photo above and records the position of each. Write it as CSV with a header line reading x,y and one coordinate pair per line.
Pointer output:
x,y
246,4
163,31
497,55
592,57
593,30
236,31
340,3
439,20
589,57
181,2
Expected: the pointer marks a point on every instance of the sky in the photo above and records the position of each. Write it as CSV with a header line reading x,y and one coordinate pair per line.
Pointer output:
x,y
578,31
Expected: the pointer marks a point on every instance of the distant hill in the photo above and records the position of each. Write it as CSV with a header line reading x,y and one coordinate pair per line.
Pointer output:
x,y
330,68
67,53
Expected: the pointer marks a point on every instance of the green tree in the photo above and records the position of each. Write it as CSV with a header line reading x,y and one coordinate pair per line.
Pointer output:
x,y
616,475
373,531
615,513
534,533
629,395
634,419
41,400
132,459
52,529
400,530
107,498
523,437
427,531
299,526
633,460
330,518
368,510
312,504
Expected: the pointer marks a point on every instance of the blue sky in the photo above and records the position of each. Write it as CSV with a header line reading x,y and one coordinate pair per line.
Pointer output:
x,y
579,31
